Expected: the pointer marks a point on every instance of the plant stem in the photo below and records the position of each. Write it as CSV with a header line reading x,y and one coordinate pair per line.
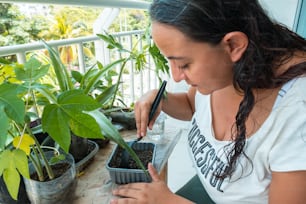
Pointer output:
x,y
118,82
42,155
37,165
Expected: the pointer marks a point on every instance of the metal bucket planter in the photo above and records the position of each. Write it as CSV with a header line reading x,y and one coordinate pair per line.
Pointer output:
x,y
53,191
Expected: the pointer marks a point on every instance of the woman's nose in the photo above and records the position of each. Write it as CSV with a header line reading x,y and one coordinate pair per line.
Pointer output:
x,y
177,74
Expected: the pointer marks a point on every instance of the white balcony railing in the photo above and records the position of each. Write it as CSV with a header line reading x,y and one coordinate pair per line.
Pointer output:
x,y
134,84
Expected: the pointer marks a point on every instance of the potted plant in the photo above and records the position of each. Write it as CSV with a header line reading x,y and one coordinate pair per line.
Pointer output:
x,y
20,147
98,80
65,110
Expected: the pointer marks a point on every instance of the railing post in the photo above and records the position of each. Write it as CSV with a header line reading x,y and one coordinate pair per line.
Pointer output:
x,y
81,58
21,57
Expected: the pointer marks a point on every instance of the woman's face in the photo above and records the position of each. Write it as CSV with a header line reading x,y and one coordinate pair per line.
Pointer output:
x,y
201,65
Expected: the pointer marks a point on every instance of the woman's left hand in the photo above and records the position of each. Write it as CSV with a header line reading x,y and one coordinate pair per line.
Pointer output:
x,y
144,193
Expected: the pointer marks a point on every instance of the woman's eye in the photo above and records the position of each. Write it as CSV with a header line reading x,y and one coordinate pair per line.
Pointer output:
x,y
185,66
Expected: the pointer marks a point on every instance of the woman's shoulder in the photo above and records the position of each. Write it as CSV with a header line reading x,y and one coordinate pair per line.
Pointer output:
x,y
298,89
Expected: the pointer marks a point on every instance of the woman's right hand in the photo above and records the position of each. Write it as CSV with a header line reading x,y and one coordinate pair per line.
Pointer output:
x,y
142,110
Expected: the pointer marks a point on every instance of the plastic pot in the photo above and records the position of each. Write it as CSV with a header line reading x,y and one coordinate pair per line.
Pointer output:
x,y
54,191
121,175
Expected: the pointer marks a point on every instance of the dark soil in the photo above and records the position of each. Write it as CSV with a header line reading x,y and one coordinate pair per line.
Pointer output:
x,y
58,170
145,157
101,142
89,150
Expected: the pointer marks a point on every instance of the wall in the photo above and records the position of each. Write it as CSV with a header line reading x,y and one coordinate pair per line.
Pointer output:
x,y
283,11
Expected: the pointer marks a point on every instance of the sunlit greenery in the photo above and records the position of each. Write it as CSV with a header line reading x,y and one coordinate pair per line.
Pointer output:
x,y
16,28
62,22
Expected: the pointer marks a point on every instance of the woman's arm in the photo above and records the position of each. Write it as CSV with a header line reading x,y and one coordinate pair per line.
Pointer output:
x,y
288,187
180,105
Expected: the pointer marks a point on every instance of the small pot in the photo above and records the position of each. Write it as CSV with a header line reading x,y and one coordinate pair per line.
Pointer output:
x,y
93,149
131,174
79,147
54,191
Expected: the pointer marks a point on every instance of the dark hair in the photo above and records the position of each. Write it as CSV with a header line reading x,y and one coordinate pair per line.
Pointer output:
x,y
270,45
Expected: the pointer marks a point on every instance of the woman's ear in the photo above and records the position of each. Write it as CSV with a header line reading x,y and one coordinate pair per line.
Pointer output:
x,y
236,44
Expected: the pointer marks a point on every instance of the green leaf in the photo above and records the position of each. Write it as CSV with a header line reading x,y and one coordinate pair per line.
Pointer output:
x,y
84,125
60,70
77,76
11,179
77,100
112,43
55,123
106,95
112,133
101,73
45,91
21,162
58,119
33,70
159,60
4,126
4,61
10,161
13,106
4,160
57,159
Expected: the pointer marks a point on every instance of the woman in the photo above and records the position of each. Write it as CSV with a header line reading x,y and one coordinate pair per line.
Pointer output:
x,y
246,103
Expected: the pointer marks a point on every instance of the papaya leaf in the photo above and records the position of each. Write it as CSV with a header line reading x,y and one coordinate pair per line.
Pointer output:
x,y
32,70
67,114
21,162
55,123
13,106
77,100
11,162
11,179
24,143
84,125
4,160
4,126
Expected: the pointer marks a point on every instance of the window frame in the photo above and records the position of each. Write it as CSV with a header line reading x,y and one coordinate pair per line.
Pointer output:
x,y
300,18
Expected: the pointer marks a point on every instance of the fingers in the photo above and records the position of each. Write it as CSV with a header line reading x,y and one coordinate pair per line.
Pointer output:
x,y
142,110
153,172
125,201
141,118
126,191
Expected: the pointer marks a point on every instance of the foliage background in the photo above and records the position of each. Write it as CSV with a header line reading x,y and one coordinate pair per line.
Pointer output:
x,y
59,22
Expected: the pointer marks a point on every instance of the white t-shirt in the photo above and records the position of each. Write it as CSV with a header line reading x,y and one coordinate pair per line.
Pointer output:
x,y
278,145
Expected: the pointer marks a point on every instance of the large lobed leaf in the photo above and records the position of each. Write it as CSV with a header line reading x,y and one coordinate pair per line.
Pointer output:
x,y
68,115
13,106
32,71
11,164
